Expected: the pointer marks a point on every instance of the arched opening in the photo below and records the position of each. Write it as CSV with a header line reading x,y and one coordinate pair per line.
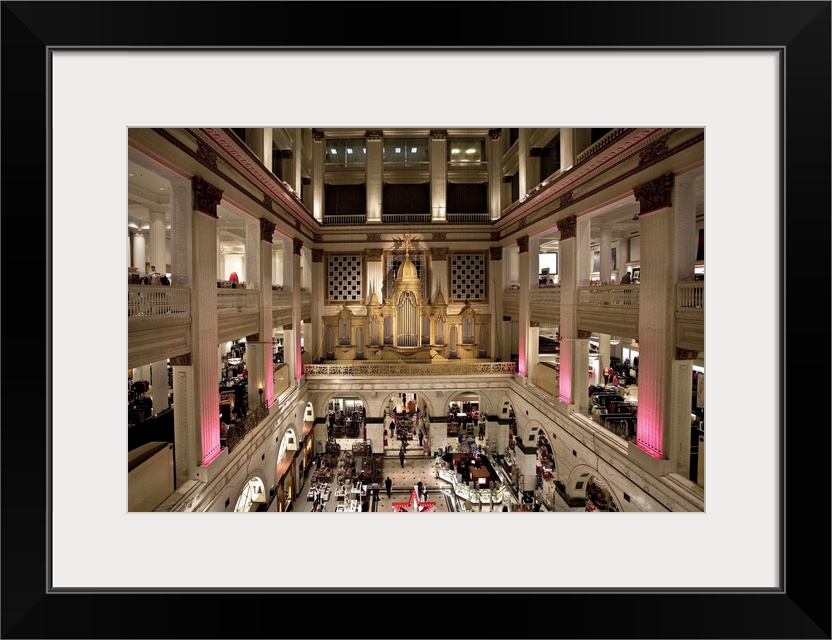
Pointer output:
x,y
253,496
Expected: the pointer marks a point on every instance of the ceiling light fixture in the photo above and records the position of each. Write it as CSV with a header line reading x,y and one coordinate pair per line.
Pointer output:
x,y
635,217
614,340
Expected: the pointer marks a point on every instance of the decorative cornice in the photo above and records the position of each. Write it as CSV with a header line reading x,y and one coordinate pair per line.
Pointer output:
x,y
373,134
566,198
439,236
206,153
297,245
534,152
522,222
439,253
373,255
567,227
495,134
495,253
267,201
317,136
654,151
655,194
317,255
286,154
523,243
584,335
206,196
373,237
254,337
495,236
181,361
318,237
438,134
686,354
266,230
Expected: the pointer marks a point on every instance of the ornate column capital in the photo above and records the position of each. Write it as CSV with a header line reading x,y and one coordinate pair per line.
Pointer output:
x,y
439,253
317,255
373,134
286,154
373,255
297,245
567,227
183,360
266,230
655,194
206,196
438,134
523,243
584,335
317,136
495,253
494,134
267,201
686,354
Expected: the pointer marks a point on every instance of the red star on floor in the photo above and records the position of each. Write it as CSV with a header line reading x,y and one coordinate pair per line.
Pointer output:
x,y
414,503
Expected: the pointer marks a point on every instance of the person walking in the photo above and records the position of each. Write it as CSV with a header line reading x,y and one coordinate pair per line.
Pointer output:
x,y
375,490
401,457
425,495
421,436
388,484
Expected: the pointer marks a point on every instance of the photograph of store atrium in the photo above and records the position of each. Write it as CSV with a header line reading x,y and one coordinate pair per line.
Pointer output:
x,y
383,320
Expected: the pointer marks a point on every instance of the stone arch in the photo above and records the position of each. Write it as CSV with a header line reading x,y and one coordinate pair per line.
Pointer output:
x,y
579,480
252,491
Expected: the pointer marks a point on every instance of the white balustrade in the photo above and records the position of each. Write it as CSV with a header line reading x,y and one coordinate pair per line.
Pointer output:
x,y
609,295
402,369
153,301
237,299
690,295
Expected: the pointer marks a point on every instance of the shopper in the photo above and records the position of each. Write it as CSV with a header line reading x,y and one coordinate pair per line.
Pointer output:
x,y
388,484
421,436
425,495
375,491
401,457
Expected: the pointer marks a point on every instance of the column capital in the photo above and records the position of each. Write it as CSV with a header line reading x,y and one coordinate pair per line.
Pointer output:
x,y
373,134
266,230
439,253
566,198
287,154
297,245
686,354
438,134
206,196
654,194
183,360
317,136
267,201
567,226
439,236
523,243
534,152
494,134
495,253
373,255
317,255
254,337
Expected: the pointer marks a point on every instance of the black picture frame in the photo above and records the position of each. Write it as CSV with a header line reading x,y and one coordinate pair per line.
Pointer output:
x,y
30,609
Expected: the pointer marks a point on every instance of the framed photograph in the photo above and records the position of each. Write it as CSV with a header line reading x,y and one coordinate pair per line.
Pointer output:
x,y
109,59
596,261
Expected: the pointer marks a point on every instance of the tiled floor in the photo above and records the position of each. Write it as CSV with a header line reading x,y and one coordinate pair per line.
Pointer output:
x,y
416,467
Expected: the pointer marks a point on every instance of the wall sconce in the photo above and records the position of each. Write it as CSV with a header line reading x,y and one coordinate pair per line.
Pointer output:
x,y
260,391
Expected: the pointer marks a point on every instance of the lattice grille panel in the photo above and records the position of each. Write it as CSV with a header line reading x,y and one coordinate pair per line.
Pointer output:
x,y
468,276
344,278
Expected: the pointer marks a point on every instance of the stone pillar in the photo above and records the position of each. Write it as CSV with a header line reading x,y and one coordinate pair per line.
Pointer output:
x,y
525,457
605,251
288,264
438,174
181,232
623,256
686,238
657,304
318,172
523,308
375,275
139,251
158,243
532,352
533,167
259,348
260,143
439,272
679,448
534,262
204,328
185,420
319,278
374,174
296,314
495,173
159,386
292,164
526,183
572,142
495,302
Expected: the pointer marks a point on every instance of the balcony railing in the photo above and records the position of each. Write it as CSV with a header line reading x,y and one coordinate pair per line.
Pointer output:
x,y
690,295
598,145
468,217
609,295
238,432
352,218
154,301
237,299
402,369
406,218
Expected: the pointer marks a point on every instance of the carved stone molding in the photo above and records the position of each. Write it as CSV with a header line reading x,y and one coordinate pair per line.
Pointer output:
x,y
317,136
267,201
266,230
522,222
534,324
686,354
373,237
373,255
495,134
317,255
566,198
297,245
206,196
286,154
439,236
205,153
584,335
287,327
181,361
653,152
438,134
439,253
567,227
655,194
495,236
373,134
254,337
523,243
318,237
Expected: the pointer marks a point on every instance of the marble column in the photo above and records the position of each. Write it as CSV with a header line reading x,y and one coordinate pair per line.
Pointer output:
x,y
374,171
185,420
139,251
181,233
259,348
494,151
605,252
251,267
523,308
526,181
495,302
318,173
438,174
297,248
319,278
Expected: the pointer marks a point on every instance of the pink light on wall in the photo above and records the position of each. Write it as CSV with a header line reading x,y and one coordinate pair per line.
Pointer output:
x,y
521,363
565,381
210,439
649,429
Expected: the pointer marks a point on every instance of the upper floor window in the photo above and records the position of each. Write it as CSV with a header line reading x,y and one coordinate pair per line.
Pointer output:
x,y
405,151
464,151
346,153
